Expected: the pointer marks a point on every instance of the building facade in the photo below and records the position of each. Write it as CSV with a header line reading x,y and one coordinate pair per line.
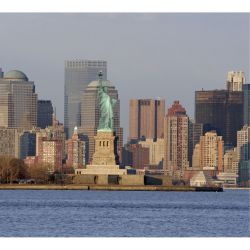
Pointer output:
x,y
78,74
220,110
176,140
136,156
231,162
76,151
209,152
243,155
44,113
27,144
10,142
195,131
246,98
52,154
18,101
53,133
156,151
146,119
235,80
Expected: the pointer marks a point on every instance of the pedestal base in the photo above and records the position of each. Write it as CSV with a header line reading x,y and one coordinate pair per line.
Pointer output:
x,y
102,170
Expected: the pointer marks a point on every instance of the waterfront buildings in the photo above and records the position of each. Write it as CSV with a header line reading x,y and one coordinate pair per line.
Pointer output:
x,y
136,156
90,115
176,140
243,154
231,162
51,154
76,151
202,178
18,101
156,152
78,74
208,154
44,113
246,98
146,118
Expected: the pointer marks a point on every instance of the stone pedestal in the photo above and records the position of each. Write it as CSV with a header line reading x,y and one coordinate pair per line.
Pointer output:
x,y
105,149
105,159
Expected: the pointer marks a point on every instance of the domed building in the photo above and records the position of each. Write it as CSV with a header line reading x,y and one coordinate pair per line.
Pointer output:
x,y
16,75
18,101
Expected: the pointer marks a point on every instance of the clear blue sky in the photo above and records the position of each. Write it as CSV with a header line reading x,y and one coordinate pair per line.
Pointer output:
x,y
149,55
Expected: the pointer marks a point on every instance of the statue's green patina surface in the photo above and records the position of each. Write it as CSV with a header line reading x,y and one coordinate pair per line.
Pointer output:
x,y
106,107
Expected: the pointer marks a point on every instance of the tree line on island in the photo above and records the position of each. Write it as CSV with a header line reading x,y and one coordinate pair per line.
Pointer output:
x,y
13,170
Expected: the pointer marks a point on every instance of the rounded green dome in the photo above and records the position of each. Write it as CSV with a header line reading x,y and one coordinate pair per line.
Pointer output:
x,y
16,75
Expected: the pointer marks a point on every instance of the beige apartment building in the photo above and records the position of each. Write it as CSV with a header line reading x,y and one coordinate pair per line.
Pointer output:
x,y
156,150
208,154
176,140
146,118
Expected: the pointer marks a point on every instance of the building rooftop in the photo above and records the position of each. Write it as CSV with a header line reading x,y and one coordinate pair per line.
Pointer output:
x,y
16,75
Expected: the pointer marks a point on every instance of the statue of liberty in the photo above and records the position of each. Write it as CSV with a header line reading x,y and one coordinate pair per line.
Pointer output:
x,y
106,107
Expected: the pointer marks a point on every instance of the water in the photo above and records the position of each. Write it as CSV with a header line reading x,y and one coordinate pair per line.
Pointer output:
x,y
106,213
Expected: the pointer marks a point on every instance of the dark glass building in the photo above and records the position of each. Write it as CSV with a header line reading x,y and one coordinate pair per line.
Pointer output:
x,y
246,94
78,74
44,113
27,144
220,110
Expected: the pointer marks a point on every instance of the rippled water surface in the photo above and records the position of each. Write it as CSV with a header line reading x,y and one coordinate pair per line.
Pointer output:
x,y
107,213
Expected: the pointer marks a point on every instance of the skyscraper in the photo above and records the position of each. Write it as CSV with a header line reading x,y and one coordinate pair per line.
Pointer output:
x,y
78,74
246,98
1,73
235,80
176,140
220,110
18,101
146,119
243,154
90,114
44,113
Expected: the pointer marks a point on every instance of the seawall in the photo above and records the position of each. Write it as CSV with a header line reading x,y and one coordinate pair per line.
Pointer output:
x,y
109,187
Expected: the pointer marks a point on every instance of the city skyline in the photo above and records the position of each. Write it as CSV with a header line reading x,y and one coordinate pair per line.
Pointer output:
x,y
181,56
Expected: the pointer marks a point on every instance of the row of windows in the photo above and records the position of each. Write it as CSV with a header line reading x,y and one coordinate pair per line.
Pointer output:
x,y
104,143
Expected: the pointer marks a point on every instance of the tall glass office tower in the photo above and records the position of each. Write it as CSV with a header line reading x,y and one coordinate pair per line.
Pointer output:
x,y
78,74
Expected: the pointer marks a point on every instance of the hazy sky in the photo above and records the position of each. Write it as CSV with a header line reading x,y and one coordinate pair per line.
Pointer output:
x,y
149,55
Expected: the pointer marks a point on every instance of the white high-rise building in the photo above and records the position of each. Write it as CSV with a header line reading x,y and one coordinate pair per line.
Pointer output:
x,y
235,80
